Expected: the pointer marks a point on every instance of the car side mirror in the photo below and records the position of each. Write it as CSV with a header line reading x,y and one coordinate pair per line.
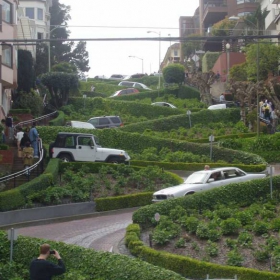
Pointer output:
x,y
210,180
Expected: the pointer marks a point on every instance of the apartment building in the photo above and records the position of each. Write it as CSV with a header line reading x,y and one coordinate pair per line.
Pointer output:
x,y
172,55
34,21
8,54
212,11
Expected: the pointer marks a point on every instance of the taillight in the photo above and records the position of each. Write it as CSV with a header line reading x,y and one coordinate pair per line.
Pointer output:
x,y
121,124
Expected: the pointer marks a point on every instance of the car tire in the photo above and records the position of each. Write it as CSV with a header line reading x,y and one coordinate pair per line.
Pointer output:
x,y
113,160
65,157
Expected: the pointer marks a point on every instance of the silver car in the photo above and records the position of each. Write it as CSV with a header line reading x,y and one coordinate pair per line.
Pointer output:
x,y
206,180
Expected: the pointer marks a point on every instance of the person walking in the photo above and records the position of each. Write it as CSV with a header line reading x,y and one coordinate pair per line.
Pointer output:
x,y
41,269
19,136
9,125
34,137
206,167
27,154
24,140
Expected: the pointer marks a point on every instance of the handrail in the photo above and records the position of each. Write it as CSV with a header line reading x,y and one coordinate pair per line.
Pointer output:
x,y
27,170
35,120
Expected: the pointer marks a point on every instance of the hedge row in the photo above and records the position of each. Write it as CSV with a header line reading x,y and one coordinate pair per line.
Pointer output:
x,y
175,122
123,107
4,147
197,166
82,263
59,120
20,111
16,198
116,138
243,194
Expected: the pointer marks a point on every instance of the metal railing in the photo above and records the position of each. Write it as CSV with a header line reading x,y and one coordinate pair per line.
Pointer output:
x,y
39,163
28,170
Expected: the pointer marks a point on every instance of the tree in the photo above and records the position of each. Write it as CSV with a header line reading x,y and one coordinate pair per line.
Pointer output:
x,y
190,46
41,65
65,51
238,72
59,85
25,71
268,60
223,27
65,67
174,73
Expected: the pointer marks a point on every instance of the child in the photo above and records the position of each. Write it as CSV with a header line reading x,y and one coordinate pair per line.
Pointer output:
x,y
27,155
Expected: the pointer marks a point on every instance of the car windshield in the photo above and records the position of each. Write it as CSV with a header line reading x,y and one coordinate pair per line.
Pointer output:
x,y
196,178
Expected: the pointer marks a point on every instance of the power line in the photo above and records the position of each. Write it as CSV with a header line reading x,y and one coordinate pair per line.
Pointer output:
x,y
167,39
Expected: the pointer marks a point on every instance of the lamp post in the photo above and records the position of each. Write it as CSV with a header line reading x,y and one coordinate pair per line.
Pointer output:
x,y
140,59
49,45
228,48
159,50
258,68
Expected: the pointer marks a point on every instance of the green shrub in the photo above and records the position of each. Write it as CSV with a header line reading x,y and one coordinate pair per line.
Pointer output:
x,y
58,121
245,239
191,224
230,226
275,224
260,227
212,249
245,217
261,255
181,243
234,258
202,231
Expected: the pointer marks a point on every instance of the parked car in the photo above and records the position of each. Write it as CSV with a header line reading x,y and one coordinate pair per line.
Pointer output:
x,y
117,77
206,180
222,106
164,104
126,91
84,147
106,121
133,85
78,124
134,76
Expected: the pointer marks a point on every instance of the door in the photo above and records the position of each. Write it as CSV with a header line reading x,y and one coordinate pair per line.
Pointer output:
x,y
85,149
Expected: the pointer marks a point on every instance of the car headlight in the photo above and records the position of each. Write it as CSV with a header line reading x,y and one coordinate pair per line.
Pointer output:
x,y
170,196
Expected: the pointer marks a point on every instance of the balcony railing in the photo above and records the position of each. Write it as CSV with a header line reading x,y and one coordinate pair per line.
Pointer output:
x,y
213,4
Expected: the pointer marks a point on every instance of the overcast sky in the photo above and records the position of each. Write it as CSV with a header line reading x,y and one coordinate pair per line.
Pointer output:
x,y
107,19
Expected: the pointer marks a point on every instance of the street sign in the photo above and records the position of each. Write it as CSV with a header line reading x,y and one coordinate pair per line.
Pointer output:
x,y
211,138
12,234
189,112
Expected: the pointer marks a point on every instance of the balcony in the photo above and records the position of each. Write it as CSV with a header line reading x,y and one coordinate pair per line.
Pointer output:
x,y
213,12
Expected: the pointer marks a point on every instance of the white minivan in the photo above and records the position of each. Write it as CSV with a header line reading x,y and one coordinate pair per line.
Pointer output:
x,y
133,85
78,124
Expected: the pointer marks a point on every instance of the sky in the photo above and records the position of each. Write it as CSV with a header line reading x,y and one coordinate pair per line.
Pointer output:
x,y
126,19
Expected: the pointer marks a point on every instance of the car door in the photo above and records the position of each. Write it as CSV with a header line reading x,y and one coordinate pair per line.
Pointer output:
x,y
215,180
104,123
85,149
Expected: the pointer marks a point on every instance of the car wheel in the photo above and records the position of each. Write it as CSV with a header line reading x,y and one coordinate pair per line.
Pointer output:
x,y
113,160
189,193
65,157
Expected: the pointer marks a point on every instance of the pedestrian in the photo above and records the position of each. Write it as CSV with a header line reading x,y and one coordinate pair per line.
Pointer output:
x,y
27,154
19,136
222,98
266,112
274,119
206,167
3,127
218,76
34,137
24,140
41,269
9,125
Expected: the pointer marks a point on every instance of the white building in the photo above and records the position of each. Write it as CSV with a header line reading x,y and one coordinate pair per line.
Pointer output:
x,y
34,21
172,55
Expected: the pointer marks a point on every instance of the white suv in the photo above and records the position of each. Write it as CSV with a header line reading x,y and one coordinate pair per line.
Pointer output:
x,y
133,85
84,147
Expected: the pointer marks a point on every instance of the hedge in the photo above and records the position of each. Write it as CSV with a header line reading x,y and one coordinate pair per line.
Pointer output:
x,y
243,194
4,147
82,263
20,111
123,107
116,138
59,120
197,166
175,122
16,198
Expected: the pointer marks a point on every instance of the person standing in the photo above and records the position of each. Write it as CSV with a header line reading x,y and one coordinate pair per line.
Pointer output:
x,y
222,98
41,269
9,125
34,137
19,136
3,126
206,167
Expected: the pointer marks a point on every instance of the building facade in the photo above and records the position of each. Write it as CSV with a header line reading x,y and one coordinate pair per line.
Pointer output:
x,y
8,54
172,55
34,21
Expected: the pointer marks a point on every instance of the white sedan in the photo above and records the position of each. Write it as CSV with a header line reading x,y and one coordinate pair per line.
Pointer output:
x,y
206,180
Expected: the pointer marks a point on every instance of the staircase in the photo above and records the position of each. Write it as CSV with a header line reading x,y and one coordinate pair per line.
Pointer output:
x,y
18,166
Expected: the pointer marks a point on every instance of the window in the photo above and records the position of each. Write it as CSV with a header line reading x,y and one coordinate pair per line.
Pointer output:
x,y
29,12
40,14
40,35
7,12
7,55
104,121
175,52
85,141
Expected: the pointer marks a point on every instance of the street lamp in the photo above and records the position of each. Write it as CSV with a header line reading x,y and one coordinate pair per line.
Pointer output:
x,y
49,44
228,48
258,68
159,50
140,59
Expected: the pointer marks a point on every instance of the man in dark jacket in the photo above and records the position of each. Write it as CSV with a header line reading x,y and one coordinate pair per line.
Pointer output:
x,y
41,269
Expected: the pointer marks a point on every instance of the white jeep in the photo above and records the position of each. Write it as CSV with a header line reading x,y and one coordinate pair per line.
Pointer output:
x,y
84,147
